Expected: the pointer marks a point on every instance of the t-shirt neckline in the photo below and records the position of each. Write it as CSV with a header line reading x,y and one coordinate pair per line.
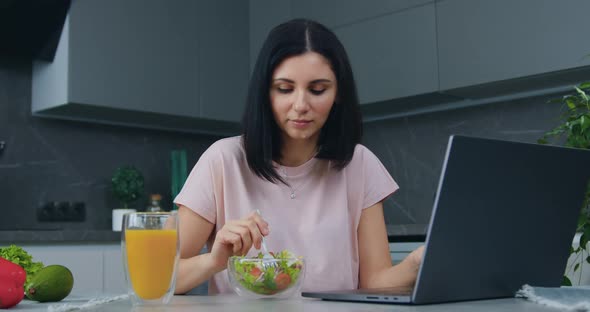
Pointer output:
x,y
293,172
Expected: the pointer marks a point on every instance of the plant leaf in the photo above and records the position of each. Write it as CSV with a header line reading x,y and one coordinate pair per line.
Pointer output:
x,y
588,259
581,222
584,85
571,103
586,235
566,281
582,94
584,239
576,267
584,122
555,132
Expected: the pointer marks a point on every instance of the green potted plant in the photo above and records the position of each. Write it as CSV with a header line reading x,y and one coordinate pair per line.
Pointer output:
x,y
575,129
128,186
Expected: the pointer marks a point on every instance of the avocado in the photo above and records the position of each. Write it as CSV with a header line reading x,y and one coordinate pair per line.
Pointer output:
x,y
51,283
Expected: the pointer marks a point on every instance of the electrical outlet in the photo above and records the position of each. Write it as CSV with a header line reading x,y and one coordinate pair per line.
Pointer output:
x,y
61,212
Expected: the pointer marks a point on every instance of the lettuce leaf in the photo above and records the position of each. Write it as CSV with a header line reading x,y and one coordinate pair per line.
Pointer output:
x,y
19,256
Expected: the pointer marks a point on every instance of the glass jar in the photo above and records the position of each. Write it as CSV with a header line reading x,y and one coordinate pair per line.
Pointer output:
x,y
155,203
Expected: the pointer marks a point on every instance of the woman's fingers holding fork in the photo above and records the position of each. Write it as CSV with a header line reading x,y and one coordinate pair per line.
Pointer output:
x,y
258,228
250,232
236,237
260,222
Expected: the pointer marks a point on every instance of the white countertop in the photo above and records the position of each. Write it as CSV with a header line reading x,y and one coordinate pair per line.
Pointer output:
x,y
297,304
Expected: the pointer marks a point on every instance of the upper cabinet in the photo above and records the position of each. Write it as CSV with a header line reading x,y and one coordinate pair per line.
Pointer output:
x,y
427,55
184,65
223,58
156,63
393,55
482,41
264,15
336,13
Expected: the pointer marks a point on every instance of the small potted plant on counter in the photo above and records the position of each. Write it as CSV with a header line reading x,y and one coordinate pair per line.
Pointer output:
x,y
575,129
128,187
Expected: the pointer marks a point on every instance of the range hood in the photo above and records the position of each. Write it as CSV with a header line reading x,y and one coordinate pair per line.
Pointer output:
x,y
31,28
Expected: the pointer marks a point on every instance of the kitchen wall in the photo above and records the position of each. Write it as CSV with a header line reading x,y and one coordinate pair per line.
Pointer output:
x,y
55,160
413,148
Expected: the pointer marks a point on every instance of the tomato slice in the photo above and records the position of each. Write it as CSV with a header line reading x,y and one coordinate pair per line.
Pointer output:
x,y
282,280
256,272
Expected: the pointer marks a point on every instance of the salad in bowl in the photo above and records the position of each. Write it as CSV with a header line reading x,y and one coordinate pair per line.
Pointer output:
x,y
279,276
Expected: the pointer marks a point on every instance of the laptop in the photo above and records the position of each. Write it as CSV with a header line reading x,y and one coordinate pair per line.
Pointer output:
x,y
504,215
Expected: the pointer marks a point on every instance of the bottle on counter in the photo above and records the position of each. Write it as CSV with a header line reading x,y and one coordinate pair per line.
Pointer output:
x,y
155,203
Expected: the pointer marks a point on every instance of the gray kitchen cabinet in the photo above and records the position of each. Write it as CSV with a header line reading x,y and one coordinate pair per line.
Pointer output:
x,y
97,267
337,13
224,58
399,251
139,63
84,261
481,41
114,273
393,56
264,15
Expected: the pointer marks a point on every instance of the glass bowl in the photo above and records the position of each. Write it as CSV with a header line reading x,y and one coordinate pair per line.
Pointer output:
x,y
266,278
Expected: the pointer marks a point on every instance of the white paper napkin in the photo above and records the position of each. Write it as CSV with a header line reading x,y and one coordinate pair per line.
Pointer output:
x,y
565,298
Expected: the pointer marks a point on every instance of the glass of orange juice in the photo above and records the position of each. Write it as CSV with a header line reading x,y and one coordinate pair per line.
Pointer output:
x,y
150,256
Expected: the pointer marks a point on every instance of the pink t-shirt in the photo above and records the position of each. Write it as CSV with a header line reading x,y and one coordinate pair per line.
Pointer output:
x,y
320,223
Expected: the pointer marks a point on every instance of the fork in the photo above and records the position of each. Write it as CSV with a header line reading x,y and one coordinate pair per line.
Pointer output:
x,y
266,256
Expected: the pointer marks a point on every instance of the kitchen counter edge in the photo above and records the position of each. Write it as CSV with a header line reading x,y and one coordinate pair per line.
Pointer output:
x,y
61,236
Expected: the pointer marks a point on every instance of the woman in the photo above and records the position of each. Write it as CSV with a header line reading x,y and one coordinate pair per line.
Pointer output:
x,y
300,163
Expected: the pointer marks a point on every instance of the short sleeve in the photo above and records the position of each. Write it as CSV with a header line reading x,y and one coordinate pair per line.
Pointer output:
x,y
378,183
198,192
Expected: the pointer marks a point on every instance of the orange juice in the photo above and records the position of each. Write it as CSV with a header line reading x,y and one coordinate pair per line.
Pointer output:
x,y
150,261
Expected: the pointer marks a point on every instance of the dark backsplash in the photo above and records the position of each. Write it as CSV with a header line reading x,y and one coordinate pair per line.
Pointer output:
x,y
54,160
413,148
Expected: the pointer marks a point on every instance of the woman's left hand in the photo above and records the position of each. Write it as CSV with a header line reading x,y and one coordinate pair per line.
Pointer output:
x,y
415,257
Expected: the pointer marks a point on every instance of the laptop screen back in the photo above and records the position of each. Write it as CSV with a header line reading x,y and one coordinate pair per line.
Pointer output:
x,y
504,215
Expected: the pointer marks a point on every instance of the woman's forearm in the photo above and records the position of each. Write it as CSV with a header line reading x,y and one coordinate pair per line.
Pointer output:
x,y
402,274
194,271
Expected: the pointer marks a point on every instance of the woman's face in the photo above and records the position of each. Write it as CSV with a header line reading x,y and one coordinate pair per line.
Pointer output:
x,y
302,92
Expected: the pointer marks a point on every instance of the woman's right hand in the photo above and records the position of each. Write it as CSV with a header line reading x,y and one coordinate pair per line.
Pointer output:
x,y
236,238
